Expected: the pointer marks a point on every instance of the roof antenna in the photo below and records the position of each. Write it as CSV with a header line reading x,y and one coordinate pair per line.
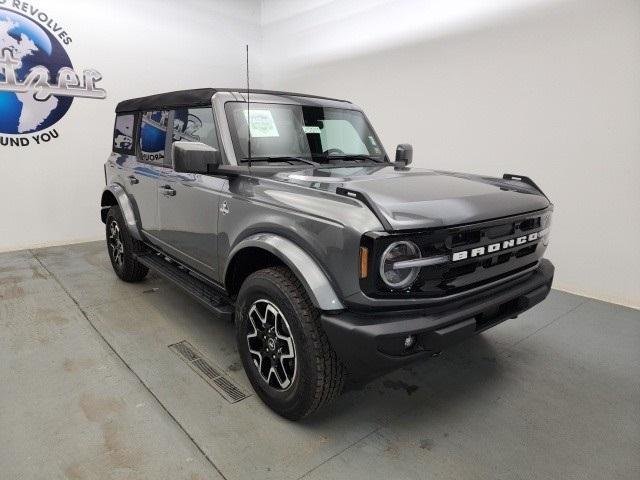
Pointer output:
x,y
248,112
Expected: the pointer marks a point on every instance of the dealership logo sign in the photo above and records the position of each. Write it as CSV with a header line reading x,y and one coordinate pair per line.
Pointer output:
x,y
37,80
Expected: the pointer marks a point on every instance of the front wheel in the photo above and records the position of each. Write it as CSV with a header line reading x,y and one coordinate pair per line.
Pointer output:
x,y
284,351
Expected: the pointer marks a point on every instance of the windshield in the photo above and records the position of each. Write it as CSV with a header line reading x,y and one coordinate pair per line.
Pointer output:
x,y
322,135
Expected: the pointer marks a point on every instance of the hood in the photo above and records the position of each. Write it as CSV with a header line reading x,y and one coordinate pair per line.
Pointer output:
x,y
413,198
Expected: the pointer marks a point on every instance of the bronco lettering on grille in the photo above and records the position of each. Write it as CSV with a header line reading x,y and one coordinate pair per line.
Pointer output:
x,y
495,247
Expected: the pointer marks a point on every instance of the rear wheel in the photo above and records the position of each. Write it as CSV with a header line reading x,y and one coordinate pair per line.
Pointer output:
x,y
123,247
285,352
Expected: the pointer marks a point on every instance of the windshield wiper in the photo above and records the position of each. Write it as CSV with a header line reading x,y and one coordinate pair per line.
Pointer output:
x,y
352,157
281,158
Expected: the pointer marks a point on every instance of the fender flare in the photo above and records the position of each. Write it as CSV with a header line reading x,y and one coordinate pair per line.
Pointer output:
x,y
126,207
300,262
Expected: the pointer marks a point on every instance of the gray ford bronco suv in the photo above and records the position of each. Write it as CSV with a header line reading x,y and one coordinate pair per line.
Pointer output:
x,y
286,215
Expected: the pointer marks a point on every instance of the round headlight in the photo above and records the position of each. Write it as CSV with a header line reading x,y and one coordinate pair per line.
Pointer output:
x,y
398,252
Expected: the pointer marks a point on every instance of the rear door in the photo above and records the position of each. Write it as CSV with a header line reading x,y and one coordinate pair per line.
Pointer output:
x,y
188,203
143,180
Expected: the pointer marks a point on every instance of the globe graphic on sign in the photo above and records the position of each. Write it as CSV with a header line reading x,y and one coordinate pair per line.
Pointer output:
x,y
32,45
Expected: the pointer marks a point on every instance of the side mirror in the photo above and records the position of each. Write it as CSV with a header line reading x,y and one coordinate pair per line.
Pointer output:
x,y
194,157
404,153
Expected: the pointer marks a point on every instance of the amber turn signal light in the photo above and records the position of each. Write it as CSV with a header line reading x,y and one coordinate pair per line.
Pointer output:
x,y
364,262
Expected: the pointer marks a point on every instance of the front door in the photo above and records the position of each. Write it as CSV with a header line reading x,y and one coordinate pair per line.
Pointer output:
x,y
188,203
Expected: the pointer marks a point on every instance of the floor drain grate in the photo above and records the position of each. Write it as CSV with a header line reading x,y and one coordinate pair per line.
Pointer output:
x,y
234,392
185,350
211,375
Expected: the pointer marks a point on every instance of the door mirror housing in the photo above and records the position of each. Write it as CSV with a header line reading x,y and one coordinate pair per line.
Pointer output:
x,y
195,157
404,154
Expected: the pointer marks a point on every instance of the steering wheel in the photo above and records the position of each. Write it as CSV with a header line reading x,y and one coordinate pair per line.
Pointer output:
x,y
332,151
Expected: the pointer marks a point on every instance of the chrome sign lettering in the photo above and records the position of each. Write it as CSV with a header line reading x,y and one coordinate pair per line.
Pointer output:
x,y
498,246
37,81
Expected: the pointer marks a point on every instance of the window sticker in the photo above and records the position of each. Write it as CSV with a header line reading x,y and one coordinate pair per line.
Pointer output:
x,y
261,124
311,129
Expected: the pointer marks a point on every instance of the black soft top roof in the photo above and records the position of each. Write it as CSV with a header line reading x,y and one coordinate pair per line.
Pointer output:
x,y
193,98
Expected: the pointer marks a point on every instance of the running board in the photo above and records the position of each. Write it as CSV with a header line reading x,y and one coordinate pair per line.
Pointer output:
x,y
201,291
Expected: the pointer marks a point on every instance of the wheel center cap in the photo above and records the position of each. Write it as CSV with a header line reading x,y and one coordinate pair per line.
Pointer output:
x,y
271,343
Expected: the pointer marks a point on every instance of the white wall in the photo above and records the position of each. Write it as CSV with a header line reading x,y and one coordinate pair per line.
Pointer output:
x,y
546,89
50,194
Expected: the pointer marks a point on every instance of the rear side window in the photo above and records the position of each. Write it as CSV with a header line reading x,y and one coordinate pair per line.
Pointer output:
x,y
123,134
153,136
195,125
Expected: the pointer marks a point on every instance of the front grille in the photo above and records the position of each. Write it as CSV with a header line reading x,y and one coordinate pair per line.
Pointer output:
x,y
454,277
530,224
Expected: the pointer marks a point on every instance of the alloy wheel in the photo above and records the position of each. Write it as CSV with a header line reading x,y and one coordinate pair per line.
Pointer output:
x,y
271,345
115,244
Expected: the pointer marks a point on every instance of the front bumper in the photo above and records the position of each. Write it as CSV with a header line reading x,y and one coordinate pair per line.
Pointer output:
x,y
373,342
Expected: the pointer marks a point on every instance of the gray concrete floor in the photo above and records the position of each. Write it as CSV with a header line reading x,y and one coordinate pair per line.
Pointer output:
x,y
90,390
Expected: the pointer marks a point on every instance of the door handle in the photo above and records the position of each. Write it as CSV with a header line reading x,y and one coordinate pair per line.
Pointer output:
x,y
133,180
168,191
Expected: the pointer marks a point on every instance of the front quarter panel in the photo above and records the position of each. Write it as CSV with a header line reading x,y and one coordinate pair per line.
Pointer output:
x,y
303,266
327,227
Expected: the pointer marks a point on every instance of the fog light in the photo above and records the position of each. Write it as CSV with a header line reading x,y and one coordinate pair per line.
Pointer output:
x,y
409,341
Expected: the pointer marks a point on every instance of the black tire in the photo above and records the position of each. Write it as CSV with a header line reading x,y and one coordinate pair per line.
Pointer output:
x,y
318,375
122,254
